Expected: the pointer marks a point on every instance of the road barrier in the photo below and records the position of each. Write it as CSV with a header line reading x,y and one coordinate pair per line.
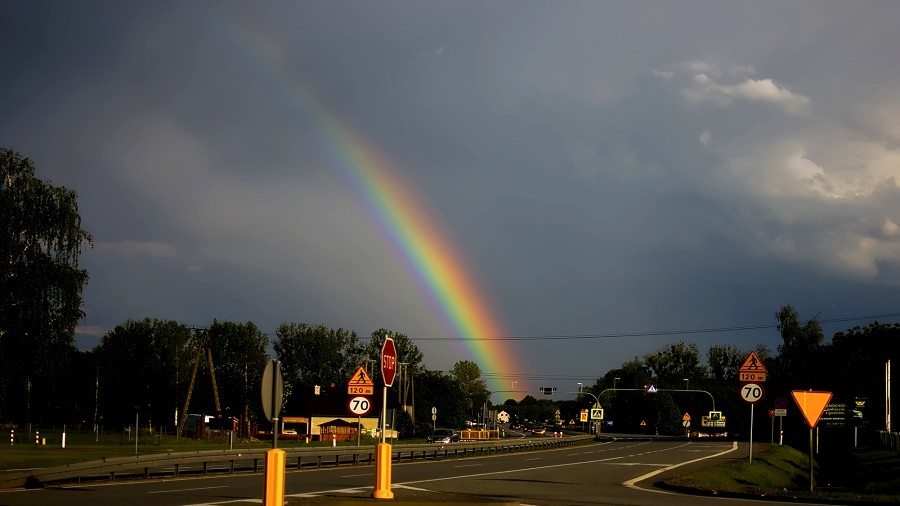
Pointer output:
x,y
479,435
174,465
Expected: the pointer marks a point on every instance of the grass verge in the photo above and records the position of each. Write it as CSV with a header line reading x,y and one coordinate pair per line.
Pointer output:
x,y
783,471
30,456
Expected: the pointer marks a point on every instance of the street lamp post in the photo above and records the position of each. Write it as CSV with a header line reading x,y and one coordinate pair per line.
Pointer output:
x,y
615,380
579,396
686,382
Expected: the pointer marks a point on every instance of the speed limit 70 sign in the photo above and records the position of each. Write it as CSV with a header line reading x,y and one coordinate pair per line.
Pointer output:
x,y
359,405
752,392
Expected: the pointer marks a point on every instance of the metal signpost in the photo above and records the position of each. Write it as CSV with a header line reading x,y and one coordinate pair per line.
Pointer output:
x,y
383,451
272,395
812,405
360,387
752,375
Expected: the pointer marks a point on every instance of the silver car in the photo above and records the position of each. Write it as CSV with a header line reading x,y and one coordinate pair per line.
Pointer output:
x,y
444,436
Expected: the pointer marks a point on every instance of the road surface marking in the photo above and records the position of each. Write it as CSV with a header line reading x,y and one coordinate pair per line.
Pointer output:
x,y
631,483
185,489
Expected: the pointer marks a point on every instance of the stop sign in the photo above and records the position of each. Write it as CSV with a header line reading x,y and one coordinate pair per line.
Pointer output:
x,y
388,361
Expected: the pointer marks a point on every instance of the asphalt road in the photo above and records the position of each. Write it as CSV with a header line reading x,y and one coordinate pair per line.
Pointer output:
x,y
614,473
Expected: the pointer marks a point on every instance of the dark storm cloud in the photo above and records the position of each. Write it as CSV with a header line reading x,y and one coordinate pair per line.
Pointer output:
x,y
601,167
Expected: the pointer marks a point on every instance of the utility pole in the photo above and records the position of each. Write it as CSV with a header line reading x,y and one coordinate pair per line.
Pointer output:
x,y
202,345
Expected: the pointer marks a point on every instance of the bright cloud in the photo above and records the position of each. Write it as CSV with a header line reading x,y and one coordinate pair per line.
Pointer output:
x,y
706,89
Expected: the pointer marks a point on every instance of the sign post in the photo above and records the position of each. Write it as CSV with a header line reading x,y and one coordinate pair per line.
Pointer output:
x,y
272,395
360,387
383,450
752,374
812,404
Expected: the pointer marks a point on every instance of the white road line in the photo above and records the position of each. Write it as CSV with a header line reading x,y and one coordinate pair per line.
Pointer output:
x,y
537,468
185,489
234,501
635,464
478,475
631,483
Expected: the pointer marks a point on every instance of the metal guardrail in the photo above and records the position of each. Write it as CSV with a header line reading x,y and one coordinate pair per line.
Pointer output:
x,y
253,460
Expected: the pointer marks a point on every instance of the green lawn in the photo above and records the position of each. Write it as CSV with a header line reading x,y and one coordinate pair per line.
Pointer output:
x,y
862,474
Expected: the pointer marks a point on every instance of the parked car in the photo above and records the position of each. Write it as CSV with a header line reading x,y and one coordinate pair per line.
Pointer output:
x,y
444,436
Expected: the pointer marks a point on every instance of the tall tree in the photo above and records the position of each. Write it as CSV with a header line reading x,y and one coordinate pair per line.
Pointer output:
x,y
315,355
724,361
239,353
407,351
144,365
798,349
855,360
473,387
409,363
675,362
439,391
41,240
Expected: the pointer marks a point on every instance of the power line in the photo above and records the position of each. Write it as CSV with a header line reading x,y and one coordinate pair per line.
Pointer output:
x,y
652,333
741,328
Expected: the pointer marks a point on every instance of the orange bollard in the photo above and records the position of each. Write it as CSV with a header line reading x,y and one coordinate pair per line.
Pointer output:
x,y
273,495
333,440
382,472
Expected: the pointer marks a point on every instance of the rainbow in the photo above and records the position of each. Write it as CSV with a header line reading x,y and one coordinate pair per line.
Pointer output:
x,y
428,257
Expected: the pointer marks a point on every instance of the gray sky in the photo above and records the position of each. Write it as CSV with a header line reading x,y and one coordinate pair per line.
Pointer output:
x,y
597,168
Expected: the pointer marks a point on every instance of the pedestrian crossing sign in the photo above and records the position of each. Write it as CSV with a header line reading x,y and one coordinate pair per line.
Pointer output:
x,y
596,413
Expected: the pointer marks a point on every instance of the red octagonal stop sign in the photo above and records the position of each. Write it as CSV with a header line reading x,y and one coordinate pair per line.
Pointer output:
x,y
388,361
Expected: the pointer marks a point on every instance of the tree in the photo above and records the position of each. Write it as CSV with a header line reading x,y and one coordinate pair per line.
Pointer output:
x,y
855,360
41,240
315,355
724,362
797,352
409,362
672,363
407,351
144,365
468,377
239,352
441,392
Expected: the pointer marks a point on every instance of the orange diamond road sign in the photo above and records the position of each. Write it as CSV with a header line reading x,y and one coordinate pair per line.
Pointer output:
x,y
686,417
361,383
752,371
812,404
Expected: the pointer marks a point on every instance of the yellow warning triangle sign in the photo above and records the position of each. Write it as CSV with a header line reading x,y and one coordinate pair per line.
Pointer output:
x,y
361,379
812,404
753,364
